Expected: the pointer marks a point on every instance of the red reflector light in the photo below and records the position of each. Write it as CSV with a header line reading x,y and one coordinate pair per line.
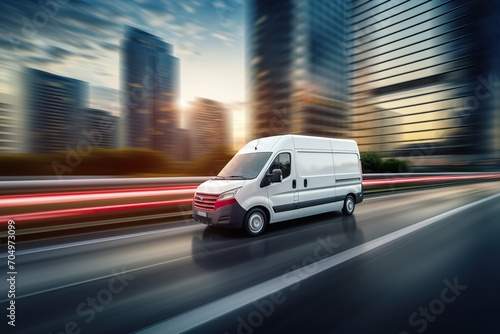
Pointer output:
x,y
224,202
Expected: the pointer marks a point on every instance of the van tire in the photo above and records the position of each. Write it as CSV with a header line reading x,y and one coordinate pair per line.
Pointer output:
x,y
255,222
349,205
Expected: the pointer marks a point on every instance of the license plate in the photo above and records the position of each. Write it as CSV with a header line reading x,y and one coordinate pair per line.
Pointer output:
x,y
202,214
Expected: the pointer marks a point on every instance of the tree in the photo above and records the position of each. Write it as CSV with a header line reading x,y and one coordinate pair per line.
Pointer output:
x,y
371,161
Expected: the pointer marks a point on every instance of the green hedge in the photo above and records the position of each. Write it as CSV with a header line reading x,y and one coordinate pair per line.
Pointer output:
x,y
372,162
392,165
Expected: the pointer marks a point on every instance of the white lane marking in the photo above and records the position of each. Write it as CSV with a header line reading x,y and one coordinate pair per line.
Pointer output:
x,y
208,312
107,239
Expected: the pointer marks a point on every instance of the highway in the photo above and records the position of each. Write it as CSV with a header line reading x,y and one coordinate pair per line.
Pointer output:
x,y
405,262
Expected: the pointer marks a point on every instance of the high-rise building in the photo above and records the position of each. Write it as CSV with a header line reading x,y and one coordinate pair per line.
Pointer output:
x,y
150,80
10,131
101,127
425,79
297,65
53,110
209,124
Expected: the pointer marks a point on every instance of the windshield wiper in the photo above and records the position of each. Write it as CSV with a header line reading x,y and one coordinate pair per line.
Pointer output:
x,y
237,176
219,178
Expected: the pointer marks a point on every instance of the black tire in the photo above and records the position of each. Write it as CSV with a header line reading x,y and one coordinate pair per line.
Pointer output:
x,y
349,205
255,222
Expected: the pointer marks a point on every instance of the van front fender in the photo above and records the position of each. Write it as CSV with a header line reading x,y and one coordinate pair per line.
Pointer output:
x,y
254,201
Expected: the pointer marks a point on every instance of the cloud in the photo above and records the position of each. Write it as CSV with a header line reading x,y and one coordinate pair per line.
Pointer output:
x,y
40,60
110,46
220,36
58,52
82,37
228,39
187,8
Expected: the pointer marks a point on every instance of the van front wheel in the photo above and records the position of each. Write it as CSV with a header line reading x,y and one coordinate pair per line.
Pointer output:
x,y
255,222
349,205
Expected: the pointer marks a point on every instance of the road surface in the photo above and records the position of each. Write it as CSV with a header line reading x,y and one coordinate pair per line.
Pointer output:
x,y
413,262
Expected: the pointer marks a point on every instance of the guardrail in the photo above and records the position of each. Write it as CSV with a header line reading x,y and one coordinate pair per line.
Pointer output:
x,y
10,187
80,183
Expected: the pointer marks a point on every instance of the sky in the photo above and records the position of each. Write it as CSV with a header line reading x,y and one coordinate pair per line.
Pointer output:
x,y
81,39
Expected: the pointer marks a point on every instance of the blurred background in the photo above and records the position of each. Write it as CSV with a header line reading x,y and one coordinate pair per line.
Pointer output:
x,y
175,88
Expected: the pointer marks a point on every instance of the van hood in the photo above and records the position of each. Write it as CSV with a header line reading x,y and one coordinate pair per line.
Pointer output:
x,y
219,186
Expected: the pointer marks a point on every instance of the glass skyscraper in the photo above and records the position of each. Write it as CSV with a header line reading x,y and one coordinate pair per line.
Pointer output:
x,y
418,80
53,110
297,65
150,79
104,125
425,81
10,131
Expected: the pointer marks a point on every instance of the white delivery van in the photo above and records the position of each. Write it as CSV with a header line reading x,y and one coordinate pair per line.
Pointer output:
x,y
281,178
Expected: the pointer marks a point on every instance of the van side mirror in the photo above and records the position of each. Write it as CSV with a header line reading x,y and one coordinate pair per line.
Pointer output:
x,y
277,176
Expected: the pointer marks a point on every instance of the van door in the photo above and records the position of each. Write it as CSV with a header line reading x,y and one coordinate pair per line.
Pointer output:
x,y
283,196
316,182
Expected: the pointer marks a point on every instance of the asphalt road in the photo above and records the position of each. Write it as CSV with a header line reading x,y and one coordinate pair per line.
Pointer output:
x,y
414,262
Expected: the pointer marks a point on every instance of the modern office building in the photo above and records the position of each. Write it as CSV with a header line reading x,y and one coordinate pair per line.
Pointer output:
x,y
100,128
297,65
209,123
10,131
150,82
53,110
425,79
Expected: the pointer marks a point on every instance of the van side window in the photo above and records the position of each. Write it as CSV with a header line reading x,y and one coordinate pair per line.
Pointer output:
x,y
283,162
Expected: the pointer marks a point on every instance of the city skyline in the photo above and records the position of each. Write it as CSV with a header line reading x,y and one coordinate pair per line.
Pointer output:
x,y
77,39
396,77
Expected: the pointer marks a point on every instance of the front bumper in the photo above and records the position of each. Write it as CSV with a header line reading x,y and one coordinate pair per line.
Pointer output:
x,y
228,216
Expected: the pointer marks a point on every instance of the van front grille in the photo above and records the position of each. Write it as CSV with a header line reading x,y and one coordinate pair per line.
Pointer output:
x,y
205,201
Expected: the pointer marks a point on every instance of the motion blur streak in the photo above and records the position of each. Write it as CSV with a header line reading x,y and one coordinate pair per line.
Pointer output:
x,y
9,201
65,197
183,195
427,179
87,211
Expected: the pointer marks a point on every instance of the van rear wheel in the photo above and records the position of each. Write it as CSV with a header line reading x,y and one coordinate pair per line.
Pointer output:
x,y
349,205
255,222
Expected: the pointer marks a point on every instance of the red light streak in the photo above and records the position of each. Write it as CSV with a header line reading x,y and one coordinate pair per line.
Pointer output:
x,y
66,197
78,196
400,180
87,211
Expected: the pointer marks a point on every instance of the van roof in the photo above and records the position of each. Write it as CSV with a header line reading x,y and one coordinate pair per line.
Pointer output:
x,y
275,143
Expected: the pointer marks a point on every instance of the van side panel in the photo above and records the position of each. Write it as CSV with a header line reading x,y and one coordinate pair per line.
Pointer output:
x,y
316,182
347,168
347,174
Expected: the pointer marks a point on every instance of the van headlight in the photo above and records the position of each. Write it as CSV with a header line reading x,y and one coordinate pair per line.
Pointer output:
x,y
229,194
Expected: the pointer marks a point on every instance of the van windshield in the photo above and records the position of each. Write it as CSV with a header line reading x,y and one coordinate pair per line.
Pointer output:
x,y
245,166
